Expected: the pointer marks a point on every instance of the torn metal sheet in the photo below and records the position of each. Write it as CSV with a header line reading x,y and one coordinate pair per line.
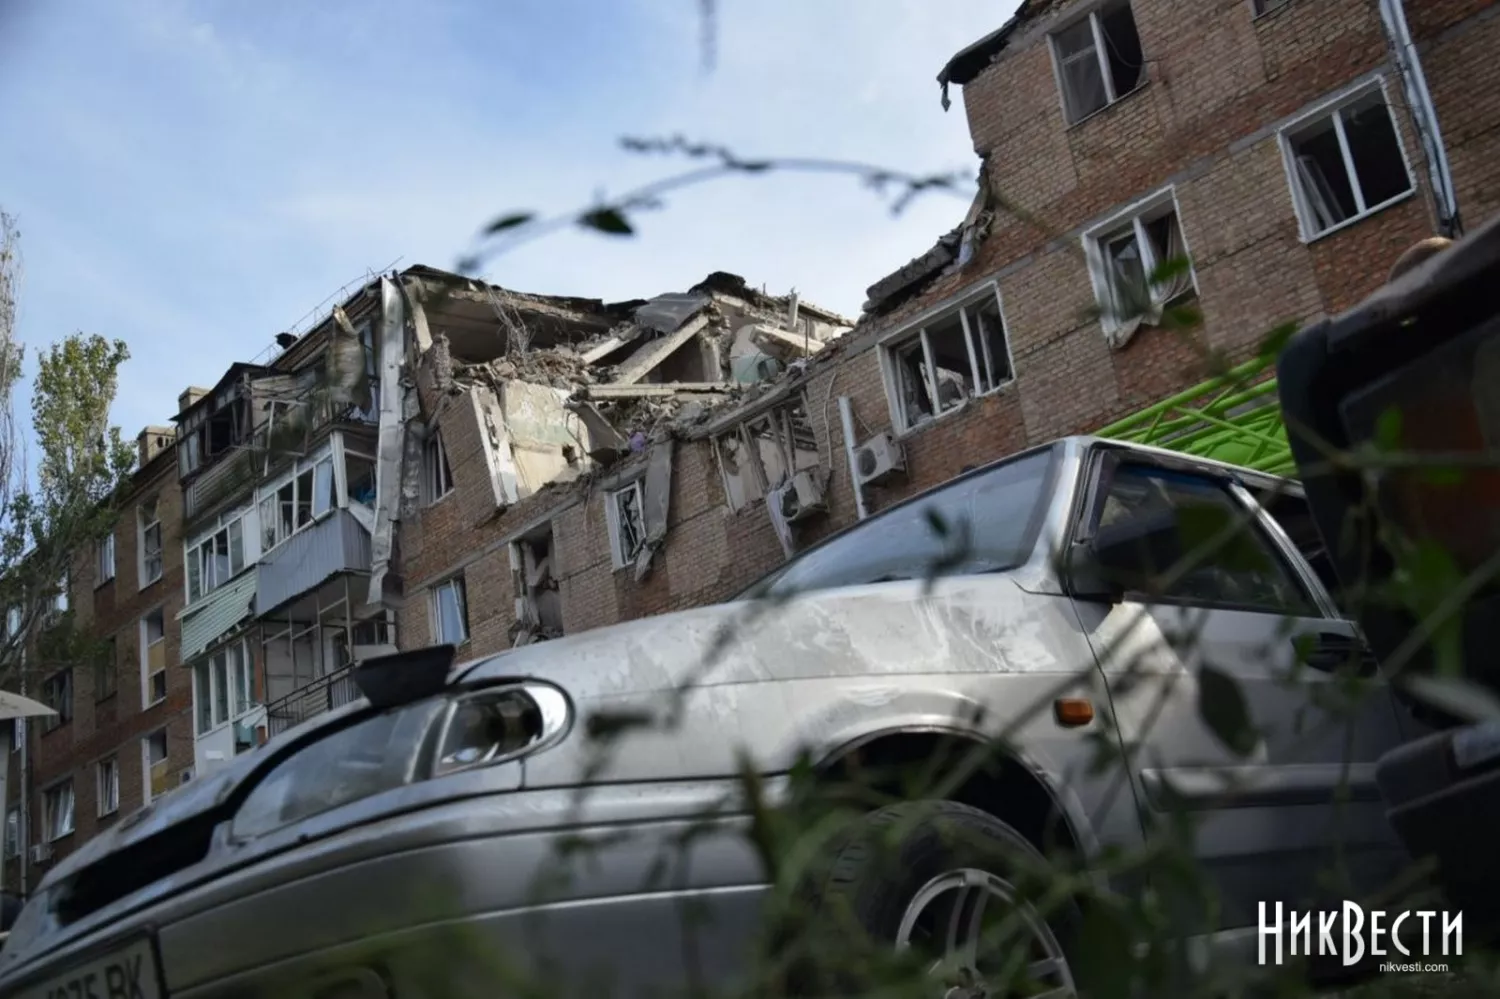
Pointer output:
x,y
645,360
658,493
666,313
605,443
392,331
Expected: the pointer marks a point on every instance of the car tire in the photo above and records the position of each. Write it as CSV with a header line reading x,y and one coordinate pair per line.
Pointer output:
x,y
890,861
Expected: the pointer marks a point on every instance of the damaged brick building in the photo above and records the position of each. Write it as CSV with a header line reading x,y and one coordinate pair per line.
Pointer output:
x,y
491,468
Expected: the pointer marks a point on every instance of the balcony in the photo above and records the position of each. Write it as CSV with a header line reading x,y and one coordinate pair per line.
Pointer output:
x,y
326,693
333,546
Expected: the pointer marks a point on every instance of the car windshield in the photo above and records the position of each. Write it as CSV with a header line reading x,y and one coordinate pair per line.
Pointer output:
x,y
985,522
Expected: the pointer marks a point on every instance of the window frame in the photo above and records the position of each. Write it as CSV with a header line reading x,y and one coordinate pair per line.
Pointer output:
x,y
1265,8
147,673
268,494
49,809
1106,462
780,415
196,549
1332,108
459,585
143,527
107,765
612,521
104,559
893,342
1137,216
1111,98
64,707
232,673
146,763
107,670
437,472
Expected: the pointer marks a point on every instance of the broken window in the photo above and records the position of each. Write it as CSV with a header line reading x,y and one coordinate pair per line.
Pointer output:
x,y
450,612
538,604
625,511
298,501
148,527
1099,59
154,753
153,658
437,478
764,451
220,425
1346,164
956,356
217,556
1127,258
57,810
359,474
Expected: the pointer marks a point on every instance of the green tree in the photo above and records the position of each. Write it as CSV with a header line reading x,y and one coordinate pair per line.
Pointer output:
x,y
55,508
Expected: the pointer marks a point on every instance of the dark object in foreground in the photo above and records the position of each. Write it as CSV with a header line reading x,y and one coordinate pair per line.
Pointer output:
x,y
1443,792
1415,368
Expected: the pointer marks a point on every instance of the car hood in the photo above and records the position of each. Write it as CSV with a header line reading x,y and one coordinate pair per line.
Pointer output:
x,y
205,793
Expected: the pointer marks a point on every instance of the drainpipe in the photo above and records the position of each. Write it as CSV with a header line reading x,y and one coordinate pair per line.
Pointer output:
x,y
1424,112
24,833
846,415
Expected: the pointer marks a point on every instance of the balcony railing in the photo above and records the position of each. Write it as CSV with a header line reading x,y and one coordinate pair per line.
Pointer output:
x,y
333,690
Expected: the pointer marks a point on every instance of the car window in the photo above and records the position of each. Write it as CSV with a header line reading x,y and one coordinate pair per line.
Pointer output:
x,y
1191,541
991,520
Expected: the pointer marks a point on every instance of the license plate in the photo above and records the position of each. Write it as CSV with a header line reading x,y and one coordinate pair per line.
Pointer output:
x,y
127,973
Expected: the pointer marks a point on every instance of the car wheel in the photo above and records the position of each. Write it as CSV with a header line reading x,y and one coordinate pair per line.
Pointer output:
x,y
936,882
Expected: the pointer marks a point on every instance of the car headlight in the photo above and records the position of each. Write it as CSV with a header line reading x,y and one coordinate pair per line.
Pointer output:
x,y
419,742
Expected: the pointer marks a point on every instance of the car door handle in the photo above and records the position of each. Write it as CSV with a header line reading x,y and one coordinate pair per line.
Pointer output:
x,y
1329,652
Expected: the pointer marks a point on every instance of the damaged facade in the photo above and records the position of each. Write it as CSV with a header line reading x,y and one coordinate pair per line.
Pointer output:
x,y
441,460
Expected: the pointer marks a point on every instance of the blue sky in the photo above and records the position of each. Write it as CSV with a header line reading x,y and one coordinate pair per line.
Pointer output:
x,y
193,176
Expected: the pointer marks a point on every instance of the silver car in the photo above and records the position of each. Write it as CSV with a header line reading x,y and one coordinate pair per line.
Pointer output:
x,y
404,842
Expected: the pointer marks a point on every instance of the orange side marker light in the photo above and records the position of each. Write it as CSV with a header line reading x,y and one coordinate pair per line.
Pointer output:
x,y
1071,712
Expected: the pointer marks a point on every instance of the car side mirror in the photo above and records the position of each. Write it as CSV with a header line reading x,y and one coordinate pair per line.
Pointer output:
x,y
1087,579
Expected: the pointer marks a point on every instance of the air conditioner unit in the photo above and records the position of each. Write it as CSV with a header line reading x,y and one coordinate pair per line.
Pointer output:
x,y
877,459
41,853
804,498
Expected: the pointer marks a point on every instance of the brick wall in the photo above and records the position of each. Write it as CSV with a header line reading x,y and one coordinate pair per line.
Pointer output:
x,y
1220,84
116,723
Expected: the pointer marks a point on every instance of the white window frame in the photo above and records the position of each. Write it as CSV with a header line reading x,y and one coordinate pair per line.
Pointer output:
x,y
147,672
146,794
1137,215
612,521
104,559
1333,107
1111,98
142,527
893,342
457,584
52,798
437,473
107,785
196,550
268,495
17,734
753,472
228,674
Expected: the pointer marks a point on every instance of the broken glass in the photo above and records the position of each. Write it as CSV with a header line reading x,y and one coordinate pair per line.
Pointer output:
x,y
913,383
950,360
740,483
987,335
631,521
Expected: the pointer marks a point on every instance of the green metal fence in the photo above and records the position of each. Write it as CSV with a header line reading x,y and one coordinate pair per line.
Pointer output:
x,y
1235,417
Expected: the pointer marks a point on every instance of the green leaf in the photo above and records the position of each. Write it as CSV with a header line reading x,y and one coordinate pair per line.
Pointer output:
x,y
1443,476
1455,696
510,221
1169,269
1388,430
1274,342
1222,706
606,220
